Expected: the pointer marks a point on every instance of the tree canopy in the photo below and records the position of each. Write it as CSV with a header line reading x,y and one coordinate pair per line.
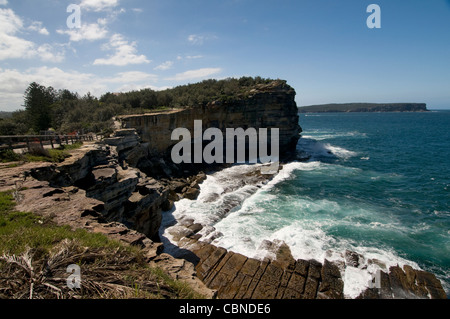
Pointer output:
x,y
66,111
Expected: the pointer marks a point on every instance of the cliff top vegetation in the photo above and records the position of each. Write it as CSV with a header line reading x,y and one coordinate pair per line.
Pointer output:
x,y
67,112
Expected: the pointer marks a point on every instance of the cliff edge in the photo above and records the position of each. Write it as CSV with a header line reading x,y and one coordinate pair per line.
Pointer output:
x,y
121,186
262,106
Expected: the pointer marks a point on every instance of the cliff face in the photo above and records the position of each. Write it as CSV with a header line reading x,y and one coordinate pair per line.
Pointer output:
x,y
90,190
102,188
265,106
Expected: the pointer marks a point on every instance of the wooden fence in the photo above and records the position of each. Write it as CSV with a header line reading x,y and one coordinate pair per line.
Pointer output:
x,y
26,141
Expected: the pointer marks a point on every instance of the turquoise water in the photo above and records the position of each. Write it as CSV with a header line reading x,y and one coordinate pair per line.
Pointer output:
x,y
376,183
399,177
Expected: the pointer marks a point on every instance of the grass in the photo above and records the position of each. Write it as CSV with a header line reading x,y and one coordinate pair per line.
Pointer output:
x,y
7,156
20,231
34,255
39,154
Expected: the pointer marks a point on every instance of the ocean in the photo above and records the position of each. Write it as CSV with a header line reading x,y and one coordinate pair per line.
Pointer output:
x,y
376,183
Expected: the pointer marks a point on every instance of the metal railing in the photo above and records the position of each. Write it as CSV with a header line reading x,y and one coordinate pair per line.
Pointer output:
x,y
26,141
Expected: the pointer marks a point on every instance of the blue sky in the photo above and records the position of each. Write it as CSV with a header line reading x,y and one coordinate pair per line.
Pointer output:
x,y
323,48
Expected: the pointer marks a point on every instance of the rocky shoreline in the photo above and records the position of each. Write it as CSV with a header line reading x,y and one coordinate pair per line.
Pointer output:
x,y
121,187
235,276
49,190
278,275
59,192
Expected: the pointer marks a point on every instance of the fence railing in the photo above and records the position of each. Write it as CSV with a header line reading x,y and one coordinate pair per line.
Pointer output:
x,y
26,141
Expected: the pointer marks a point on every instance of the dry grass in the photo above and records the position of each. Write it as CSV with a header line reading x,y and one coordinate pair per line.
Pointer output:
x,y
35,254
105,274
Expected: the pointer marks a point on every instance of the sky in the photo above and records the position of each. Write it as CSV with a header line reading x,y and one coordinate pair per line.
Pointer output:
x,y
323,48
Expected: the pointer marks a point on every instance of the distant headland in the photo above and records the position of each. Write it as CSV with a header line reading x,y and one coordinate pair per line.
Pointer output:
x,y
364,107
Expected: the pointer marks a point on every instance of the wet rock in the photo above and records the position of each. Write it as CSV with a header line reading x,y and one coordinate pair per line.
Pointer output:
x,y
332,285
428,281
167,205
353,259
181,269
236,276
178,232
406,283
195,228
377,262
192,193
178,185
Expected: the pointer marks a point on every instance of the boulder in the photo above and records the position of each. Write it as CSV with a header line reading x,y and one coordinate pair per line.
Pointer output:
x,y
192,193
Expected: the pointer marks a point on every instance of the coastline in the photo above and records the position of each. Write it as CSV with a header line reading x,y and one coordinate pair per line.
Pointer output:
x,y
123,186
189,233
47,199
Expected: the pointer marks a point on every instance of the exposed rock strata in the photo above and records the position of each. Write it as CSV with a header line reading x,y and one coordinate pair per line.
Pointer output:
x,y
105,188
406,283
44,189
265,106
235,276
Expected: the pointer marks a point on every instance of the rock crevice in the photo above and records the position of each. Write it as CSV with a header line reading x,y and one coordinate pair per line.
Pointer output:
x,y
235,276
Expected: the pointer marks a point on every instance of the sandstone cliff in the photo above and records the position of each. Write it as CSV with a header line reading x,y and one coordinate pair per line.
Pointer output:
x,y
265,106
90,190
116,188
101,187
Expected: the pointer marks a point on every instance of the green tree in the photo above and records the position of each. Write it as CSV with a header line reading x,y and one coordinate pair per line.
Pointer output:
x,y
38,100
66,95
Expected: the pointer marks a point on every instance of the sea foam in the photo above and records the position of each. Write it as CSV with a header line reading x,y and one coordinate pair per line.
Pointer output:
x,y
240,216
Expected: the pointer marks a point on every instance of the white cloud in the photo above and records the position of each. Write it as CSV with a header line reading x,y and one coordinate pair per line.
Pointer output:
x,y
196,39
125,53
195,74
14,47
99,5
165,66
3,2
102,21
37,26
9,22
132,76
88,32
191,57
47,53
13,83
137,87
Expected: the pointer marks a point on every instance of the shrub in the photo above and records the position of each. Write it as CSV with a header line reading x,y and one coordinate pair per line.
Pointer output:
x,y
37,150
9,156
